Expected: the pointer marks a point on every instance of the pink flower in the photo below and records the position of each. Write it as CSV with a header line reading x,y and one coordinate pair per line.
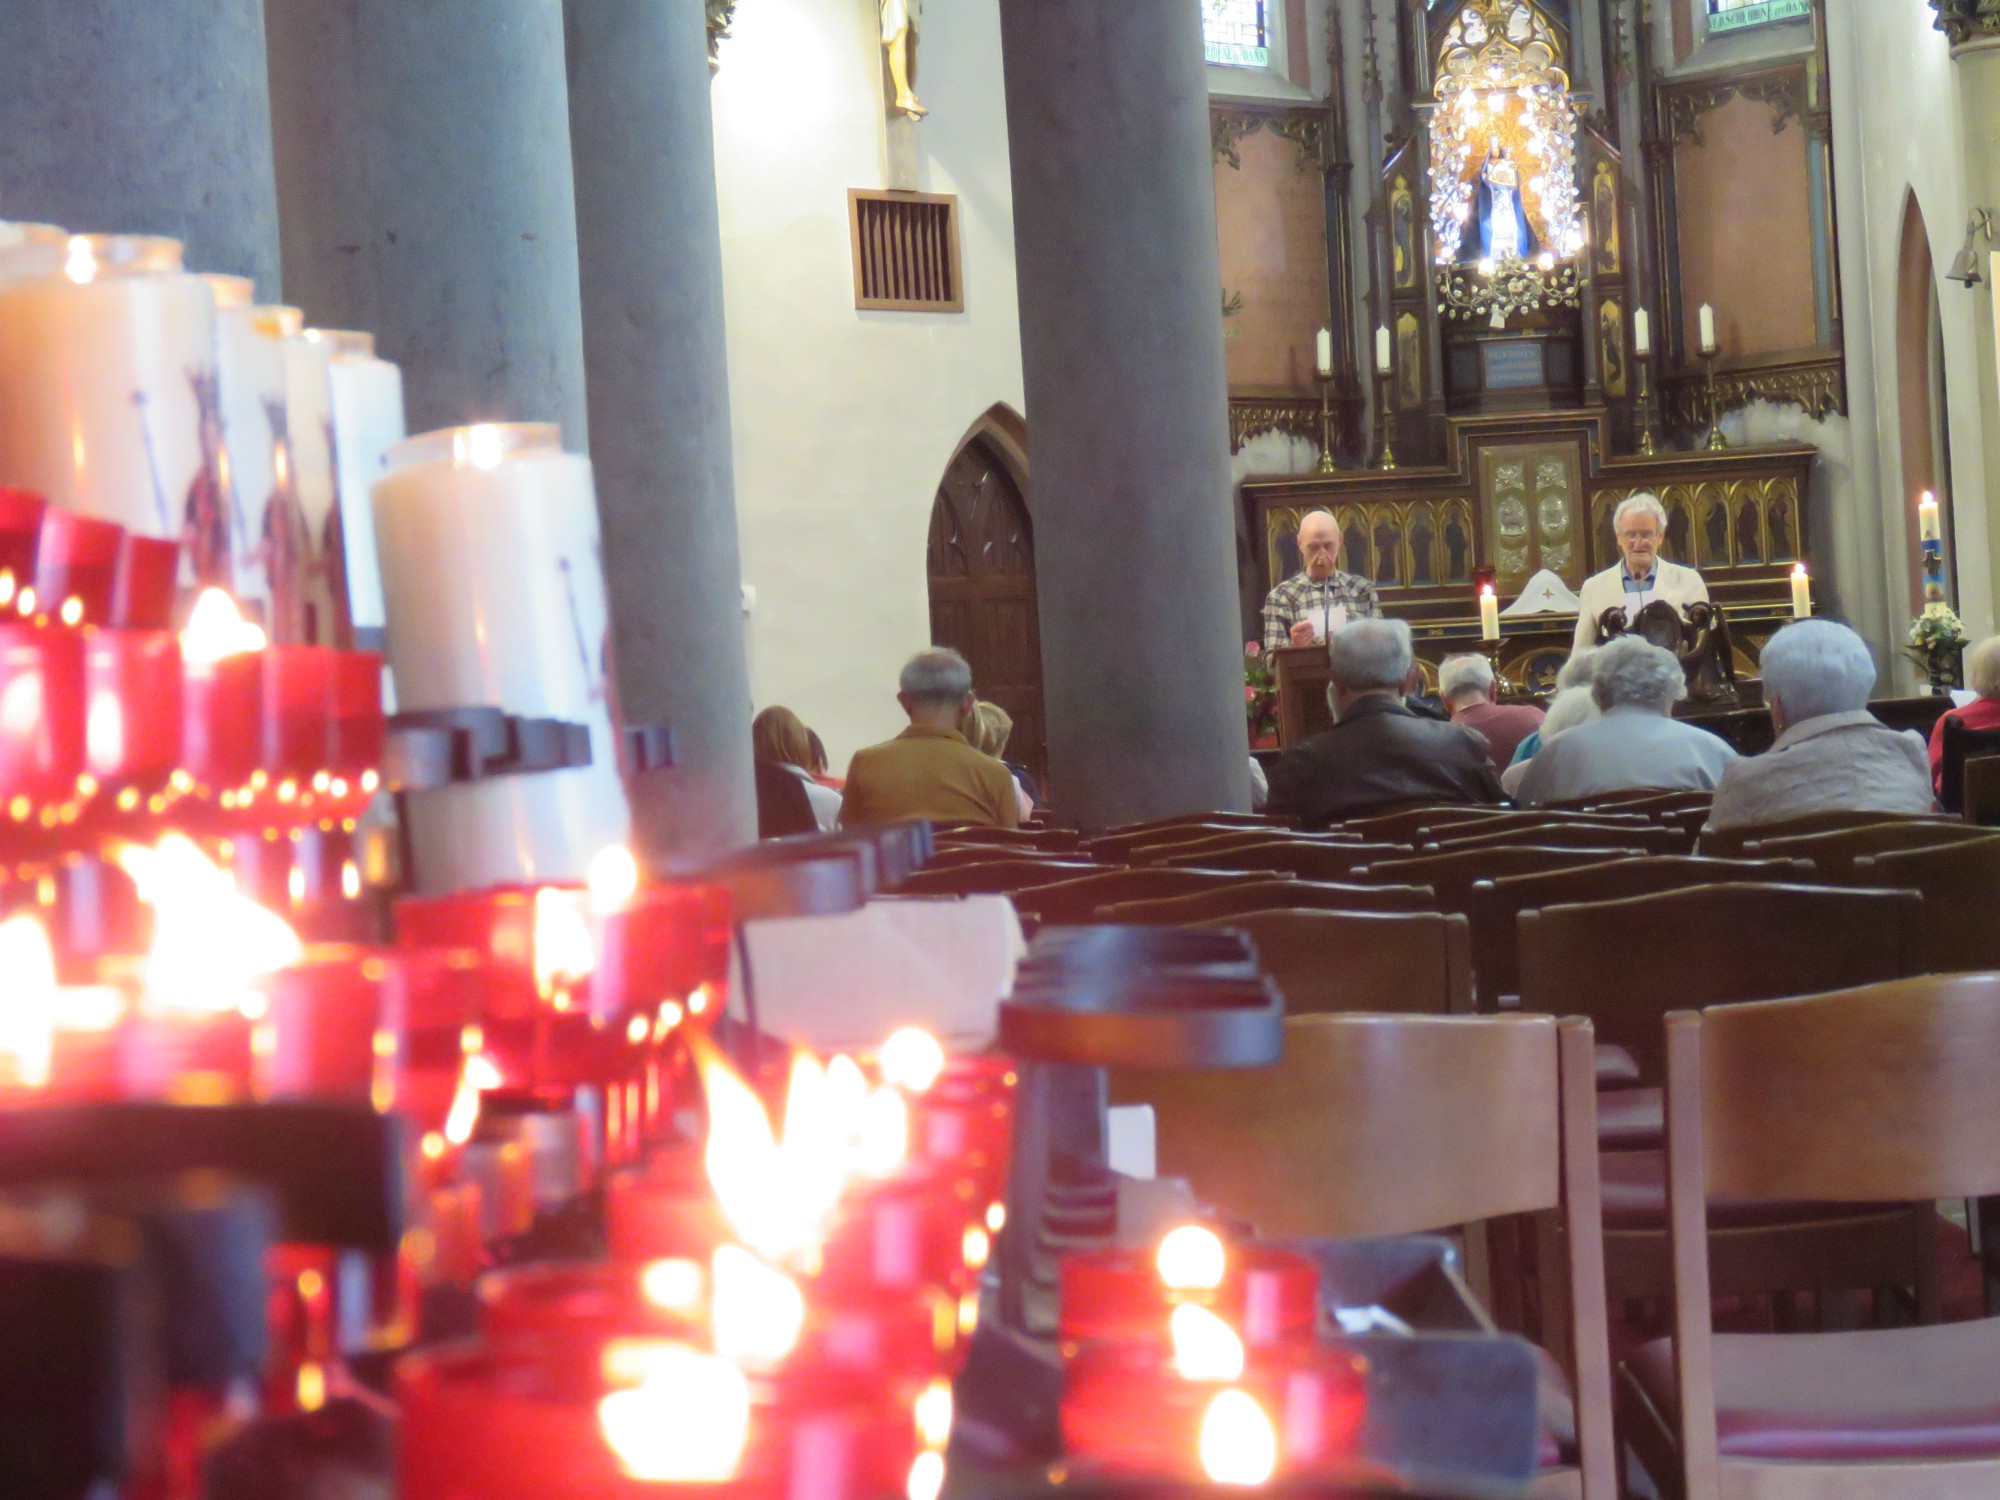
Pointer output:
x,y
1249,694
1253,648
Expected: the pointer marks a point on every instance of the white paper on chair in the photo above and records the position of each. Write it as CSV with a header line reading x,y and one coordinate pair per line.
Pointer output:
x,y
847,981
1544,594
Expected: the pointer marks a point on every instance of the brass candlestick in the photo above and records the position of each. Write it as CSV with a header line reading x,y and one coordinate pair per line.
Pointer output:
x,y
1715,441
1326,463
1385,381
1649,442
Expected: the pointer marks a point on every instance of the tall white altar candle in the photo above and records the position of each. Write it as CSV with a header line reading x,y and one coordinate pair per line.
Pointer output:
x,y
1801,593
1323,351
1489,613
1929,528
1642,331
108,387
1708,343
1385,359
250,369
494,587
367,423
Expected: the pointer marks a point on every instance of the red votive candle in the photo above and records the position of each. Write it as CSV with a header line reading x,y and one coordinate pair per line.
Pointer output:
x,y
1268,1295
20,534
41,714
667,940
663,1209
134,709
77,559
907,1234
964,1123
221,710
182,1058
355,702
498,923
297,730
143,587
1126,1409
333,1028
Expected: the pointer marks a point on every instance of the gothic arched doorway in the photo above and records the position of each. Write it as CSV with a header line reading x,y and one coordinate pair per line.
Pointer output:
x,y
1921,399
982,584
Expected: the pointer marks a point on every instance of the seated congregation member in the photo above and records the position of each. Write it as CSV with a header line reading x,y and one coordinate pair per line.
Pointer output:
x,y
929,771
1640,575
1471,696
1982,675
1831,754
987,729
1634,743
778,737
821,769
1571,706
1378,753
1315,602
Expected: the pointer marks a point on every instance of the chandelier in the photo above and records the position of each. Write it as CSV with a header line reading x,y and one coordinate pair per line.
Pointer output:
x,y
1499,85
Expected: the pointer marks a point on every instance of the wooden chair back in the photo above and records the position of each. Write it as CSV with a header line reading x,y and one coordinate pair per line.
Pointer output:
x,y
1727,843
1620,801
1651,838
1400,826
1535,817
1626,963
1644,801
954,856
1174,847
1270,895
1453,875
1878,1095
1982,791
1833,854
1295,857
1958,881
1393,1125
1077,900
1121,842
1496,905
968,834
1960,745
1402,963
1000,875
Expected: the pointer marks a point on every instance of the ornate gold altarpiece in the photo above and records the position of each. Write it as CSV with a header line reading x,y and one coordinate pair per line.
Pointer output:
x,y
1524,492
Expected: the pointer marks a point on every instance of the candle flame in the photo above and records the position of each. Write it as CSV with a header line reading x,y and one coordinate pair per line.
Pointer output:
x,y
1192,1259
757,1310
481,446
1205,1347
476,1074
934,1413
211,944
613,879
1798,570
565,952
216,628
28,1019
744,1163
926,1479
674,1285
1238,1444
687,1418
81,266
912,1059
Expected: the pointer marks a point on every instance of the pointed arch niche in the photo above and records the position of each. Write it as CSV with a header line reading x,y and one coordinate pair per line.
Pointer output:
x,y
1921,404
981,565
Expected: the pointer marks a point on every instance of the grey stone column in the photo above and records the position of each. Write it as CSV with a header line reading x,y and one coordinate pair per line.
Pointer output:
x,y
1121,343
142,117
658,369
424,186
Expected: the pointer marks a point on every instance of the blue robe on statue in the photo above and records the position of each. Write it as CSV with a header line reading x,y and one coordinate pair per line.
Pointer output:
x,y
1509,207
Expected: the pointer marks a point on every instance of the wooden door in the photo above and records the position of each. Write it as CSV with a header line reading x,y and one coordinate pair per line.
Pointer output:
x,y
982,578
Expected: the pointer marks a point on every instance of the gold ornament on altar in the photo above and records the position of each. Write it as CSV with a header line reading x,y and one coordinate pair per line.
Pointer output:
x,y
1503,140
1507,290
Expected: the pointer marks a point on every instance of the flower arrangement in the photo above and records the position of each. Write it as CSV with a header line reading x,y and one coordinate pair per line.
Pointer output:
x,y
1936,638
1260,694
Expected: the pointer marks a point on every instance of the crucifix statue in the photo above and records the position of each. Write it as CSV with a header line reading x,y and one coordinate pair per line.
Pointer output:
x,y
901,20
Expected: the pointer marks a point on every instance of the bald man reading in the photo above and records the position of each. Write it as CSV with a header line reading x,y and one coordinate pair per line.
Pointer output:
x,y
1313,604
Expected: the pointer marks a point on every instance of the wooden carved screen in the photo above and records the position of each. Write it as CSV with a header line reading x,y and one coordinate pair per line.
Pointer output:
x,y
1533,496
982,589
1714,525
1394,544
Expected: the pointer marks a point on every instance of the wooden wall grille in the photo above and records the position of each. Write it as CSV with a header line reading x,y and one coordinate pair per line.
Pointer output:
x,y
905,251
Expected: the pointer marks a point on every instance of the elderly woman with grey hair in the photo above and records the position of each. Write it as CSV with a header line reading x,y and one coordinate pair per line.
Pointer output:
x,y
1571,706
1634,743
1641,575
1831,753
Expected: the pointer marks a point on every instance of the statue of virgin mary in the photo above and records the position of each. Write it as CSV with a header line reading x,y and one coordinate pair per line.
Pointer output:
x,y
1504,233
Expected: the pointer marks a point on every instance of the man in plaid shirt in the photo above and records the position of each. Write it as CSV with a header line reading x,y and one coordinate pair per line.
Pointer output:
x,y
1312,605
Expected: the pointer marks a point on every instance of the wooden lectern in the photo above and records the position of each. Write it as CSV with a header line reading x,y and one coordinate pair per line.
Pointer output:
x,y
1303,674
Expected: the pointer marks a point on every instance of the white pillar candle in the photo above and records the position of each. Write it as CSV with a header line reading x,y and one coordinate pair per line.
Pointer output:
x,y
1801,593
31,249
1708,343
367,423
494,588
107,387
309,430
1928,527
1489,613
1323,351
1385,358
250,370
1642,332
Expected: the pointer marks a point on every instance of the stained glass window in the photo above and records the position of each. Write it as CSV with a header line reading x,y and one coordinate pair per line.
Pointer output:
x,y
1235,34
1734,15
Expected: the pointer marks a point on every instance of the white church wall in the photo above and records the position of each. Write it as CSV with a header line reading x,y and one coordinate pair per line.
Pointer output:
x,y
1898,131
845,420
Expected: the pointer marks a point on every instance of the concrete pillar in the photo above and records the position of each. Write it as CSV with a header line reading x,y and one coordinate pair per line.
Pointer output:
x,y
424,185
142,117
1121,344
651,252
1978,67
